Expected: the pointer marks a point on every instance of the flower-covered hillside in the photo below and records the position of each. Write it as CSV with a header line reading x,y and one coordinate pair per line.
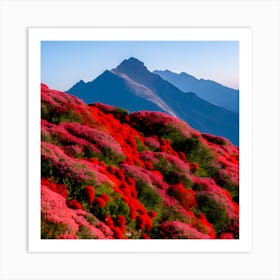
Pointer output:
x,y
108,174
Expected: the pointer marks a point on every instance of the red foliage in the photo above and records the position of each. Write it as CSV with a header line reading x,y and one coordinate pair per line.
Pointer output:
x,y
182,156
119,174
226,235
148,165
111,169
120,222
233,159
100,201
132,213
74,204
131,182
145,236
105,197
49,184
89,193
108,221
152,214
118,234
103,128
184,196
149,223
62,189
141,221
58,188
194,166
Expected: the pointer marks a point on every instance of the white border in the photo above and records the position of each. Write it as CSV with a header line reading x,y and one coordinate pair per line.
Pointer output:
x,y
243,35
262,262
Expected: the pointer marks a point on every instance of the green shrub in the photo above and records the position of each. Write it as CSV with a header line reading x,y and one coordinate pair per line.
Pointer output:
x,y
173,134
84,233
57,115
199,153
122,112
109,157
171,174
139,145
52,230
114,207
214,211
170,213
225,182
150,198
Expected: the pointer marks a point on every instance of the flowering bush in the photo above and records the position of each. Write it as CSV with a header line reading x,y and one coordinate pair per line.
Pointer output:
x,y
74,204
184,196
100,201
110,174
89,194
180,230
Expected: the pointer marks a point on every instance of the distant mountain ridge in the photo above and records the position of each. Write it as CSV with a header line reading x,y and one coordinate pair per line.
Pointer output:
x,y
133,87
208,90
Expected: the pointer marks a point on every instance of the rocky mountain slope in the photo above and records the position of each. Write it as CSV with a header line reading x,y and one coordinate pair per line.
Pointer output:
x,y
210,91
133,87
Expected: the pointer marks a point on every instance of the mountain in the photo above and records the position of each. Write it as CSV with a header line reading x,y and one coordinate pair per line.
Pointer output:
x,y
210,91
133,87
107,174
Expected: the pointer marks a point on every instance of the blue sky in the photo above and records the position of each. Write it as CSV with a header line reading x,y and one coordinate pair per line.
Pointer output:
x,y
63,63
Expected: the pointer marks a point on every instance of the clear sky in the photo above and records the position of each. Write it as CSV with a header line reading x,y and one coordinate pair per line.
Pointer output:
x,y
63,63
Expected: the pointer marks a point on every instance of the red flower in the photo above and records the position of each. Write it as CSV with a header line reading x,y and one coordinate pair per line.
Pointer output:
x,y
49,184
119,174
182,156
121,222
100,201
233,159
148,165
111,169
194,166
94,160
145,236
226,235
62,189
184,196
131,182
89,193
153,214
117,233
149,224
108,221
132,213
141,221
106,197
74,204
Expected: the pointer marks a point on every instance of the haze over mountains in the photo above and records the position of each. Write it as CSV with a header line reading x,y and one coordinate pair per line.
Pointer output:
x,y
208,90
133,87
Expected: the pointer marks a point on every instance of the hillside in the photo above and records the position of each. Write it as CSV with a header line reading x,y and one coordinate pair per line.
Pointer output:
x,y
108,174
133,87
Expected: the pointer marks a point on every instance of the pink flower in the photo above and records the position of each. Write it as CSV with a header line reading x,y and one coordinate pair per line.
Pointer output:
x,y
96,136
179,230
67,236
226,235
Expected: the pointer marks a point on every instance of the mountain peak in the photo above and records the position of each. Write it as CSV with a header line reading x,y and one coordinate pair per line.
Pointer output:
x,y
131,64
134,61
